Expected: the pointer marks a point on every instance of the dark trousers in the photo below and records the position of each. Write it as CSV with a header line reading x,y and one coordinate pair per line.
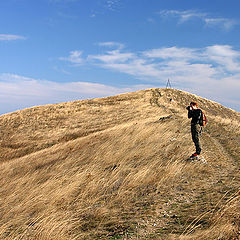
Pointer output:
x,y
196,132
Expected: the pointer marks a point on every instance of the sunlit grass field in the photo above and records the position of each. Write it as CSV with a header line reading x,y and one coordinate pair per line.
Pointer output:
x,y
115,168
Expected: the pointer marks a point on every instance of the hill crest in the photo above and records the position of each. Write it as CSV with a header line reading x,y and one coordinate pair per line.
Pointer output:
x,y
110,168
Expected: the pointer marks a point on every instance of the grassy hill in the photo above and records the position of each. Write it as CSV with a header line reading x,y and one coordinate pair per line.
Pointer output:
x,y
115,168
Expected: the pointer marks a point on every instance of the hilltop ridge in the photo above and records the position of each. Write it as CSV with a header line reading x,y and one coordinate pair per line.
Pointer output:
x,y
110,168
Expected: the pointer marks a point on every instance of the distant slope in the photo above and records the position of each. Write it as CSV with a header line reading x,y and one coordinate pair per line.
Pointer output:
x,y
109,168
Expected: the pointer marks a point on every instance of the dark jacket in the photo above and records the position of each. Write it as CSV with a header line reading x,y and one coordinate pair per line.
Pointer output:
x,y
195,114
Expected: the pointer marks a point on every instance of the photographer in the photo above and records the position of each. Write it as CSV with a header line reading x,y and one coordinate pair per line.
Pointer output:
x,y
195,113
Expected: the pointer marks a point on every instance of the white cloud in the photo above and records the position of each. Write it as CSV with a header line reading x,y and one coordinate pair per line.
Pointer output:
x,y
225,57
137,68
183,16
185,64
156,64
224,23
10,37
74,57
61,70
172,52
206,18
112,57
223,50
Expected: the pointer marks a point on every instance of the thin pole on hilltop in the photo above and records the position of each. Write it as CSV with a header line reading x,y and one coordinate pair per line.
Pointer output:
x,y
168,84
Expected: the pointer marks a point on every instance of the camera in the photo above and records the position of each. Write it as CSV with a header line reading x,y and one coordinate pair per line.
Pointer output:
x,y
188,108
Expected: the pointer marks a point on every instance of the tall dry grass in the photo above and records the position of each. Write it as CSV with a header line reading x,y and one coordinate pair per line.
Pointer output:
x,y
225,223
109,169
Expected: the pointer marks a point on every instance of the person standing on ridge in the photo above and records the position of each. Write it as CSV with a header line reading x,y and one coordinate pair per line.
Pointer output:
x,y
195,113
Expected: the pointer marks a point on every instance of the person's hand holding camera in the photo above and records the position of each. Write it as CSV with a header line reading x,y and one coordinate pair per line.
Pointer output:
x,y
189,108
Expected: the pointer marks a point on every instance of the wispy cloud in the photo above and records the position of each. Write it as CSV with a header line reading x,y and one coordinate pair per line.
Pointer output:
x,y
111,44
10,37
61,70
171,52
206,18
182,16
114,56
224,23
111,4
225,57
104,6
74,57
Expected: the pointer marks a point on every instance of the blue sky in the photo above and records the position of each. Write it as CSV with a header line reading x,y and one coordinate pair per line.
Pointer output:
x,y
62,50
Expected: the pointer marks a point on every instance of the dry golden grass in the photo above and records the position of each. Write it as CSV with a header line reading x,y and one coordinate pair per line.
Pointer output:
x,y
224,223
110,169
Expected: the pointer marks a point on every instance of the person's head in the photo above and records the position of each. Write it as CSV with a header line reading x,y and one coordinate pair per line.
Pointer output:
x,y
194,105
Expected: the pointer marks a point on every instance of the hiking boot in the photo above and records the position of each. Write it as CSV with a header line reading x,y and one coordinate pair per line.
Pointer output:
x,y
194,155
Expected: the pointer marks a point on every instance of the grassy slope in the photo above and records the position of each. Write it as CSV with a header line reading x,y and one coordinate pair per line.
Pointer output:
x,y
108,168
